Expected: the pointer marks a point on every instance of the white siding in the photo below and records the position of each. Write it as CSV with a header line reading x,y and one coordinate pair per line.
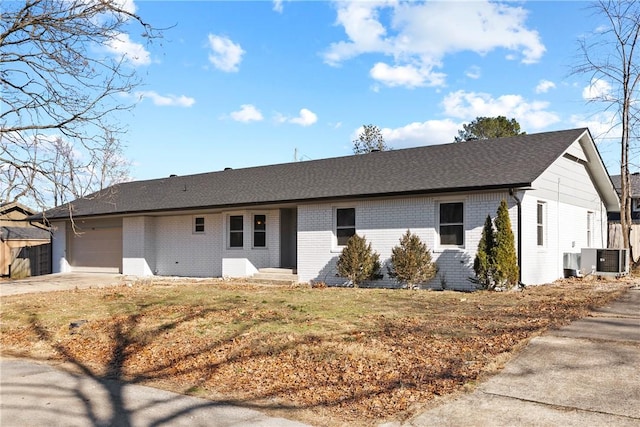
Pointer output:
x,y
168,246
60,263
383,222
139,254
181,252
268,256
569,195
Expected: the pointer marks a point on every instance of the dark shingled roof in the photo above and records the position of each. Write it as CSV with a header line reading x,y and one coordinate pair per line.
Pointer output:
x,y
23,233
485,164
635,183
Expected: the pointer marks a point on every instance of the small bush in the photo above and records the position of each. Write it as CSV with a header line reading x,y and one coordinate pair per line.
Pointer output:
x,y
411,262
358,262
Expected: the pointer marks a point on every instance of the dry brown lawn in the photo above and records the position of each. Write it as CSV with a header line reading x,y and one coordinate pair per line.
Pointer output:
x,y
325,356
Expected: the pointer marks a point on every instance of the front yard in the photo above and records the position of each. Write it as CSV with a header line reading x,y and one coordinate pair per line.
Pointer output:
x,y
325,356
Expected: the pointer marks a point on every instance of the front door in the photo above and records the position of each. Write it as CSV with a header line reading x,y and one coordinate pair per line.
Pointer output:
x,y
289,238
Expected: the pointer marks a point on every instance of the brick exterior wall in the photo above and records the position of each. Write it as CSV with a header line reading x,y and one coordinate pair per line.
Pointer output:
x,y
383,222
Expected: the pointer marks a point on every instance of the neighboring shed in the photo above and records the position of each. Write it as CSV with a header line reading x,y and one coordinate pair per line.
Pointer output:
x,y
25,248
615,229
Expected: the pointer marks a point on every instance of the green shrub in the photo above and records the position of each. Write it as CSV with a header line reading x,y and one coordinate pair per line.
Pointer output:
x,y
411,262
496,261
358,262
484,262
506,259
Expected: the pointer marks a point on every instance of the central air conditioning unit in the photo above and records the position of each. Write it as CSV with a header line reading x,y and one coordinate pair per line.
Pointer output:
x,y
604,262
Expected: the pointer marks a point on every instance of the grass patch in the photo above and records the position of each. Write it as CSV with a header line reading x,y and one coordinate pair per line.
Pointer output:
x,y
330,356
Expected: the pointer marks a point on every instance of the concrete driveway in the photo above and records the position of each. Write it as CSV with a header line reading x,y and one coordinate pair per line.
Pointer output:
x,y
61,281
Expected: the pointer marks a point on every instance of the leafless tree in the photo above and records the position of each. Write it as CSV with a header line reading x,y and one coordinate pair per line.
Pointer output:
x,y
63,75
370,139
611,57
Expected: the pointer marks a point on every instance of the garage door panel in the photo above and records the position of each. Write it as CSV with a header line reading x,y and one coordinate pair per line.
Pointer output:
x,y
97,246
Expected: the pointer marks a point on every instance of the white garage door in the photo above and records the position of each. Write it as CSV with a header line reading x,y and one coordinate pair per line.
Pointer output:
x,y
96,246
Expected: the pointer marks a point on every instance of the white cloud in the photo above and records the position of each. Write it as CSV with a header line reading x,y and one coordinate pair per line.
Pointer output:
x,y
417,134
247,113
225,55
473,72
603,126
532,115
407,75
420,36
166,100
133,52
305,118
430,132
277,6
597,90
544,86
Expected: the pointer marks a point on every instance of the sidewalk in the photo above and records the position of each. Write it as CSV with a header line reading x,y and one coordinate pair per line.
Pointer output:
x,y
36,394
585,374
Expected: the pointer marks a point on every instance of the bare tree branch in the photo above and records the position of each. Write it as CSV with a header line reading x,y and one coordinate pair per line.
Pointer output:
x,y
611,57
63,83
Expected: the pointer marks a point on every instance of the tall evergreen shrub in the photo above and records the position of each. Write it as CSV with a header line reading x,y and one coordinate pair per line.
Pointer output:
x,y
506,259
358,262
484,262
411,262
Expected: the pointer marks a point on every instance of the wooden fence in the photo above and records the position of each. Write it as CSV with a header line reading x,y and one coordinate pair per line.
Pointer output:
x,y
31,261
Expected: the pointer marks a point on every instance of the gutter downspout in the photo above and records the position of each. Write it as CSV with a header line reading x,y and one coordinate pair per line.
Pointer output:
x,y
512,193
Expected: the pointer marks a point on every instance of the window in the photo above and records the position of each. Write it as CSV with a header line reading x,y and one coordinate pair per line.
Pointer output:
x,y
345,225
452,224
198,224
236,235
259,231
540,223
589,228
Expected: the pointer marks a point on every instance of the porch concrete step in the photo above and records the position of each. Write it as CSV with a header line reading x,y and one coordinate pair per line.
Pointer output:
x,y
284,276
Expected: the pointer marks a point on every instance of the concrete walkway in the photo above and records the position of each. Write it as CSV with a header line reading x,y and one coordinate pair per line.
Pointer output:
x,y
37,394
585,374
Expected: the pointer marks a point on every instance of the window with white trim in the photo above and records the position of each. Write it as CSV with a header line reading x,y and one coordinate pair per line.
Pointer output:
x,y
345,224
198,224
451,227
540,223
259,231
236,231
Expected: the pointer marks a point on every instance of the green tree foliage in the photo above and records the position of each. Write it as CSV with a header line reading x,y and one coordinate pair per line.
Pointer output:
x,y
484,263
411,262
358,262
370,139
487,128
506,259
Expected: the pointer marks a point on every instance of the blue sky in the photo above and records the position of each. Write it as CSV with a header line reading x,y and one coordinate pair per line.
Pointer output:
x,y
240,83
